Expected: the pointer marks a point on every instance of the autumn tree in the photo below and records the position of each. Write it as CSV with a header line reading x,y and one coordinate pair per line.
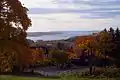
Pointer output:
x,y
13,25
60,58
106,42
37,55
88,45
71,53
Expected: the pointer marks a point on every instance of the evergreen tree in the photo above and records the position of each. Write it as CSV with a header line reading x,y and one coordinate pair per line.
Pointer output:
x,y
117,48
106,45
105,30
117,34
112,33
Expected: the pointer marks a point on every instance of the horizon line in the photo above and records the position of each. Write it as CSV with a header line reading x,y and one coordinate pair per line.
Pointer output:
x,y
65,31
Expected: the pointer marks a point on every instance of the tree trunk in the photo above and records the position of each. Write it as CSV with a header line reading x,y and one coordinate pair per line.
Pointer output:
x,y
105,63
90,69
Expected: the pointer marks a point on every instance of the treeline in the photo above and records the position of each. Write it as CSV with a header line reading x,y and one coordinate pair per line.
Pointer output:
x,y
103,44
111,39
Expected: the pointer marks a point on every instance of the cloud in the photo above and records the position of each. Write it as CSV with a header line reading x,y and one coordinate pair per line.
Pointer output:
x,y
70,21
97,8
95,13
55,15
52,10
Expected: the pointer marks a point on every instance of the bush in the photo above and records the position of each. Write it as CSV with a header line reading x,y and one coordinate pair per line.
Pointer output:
x,y
100,73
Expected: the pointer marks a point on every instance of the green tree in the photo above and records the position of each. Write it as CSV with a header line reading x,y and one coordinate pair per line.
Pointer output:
x,y
117,43
60,58
117,34
106,44
112,33
13,25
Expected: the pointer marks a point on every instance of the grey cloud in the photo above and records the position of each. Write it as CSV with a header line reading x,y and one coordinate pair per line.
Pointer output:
x,y
101,15
96,16
95,13
50,10
101,8
89,2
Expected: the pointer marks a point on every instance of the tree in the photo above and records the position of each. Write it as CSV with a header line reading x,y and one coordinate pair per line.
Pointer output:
x,y
13,25
112,33
106,44
105,30
117,43
117,35
71,53
88,45
60,58
37,55
60,45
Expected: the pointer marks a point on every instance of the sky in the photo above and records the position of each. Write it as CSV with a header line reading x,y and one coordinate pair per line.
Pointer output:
x,y
72,15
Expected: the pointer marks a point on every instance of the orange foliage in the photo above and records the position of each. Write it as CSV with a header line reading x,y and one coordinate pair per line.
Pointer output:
x,y
84,42
37,55
84,39
71,55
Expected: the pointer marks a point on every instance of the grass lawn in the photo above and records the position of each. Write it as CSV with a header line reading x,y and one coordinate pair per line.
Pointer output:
x,y
4,77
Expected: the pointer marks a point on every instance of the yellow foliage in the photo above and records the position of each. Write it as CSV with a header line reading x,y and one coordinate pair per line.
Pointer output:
x,y
38,55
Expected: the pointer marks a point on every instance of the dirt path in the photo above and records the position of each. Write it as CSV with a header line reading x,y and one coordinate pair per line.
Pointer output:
x,y
52,71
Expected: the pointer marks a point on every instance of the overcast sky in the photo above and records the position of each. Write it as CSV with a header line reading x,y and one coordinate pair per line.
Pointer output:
x,y
73,15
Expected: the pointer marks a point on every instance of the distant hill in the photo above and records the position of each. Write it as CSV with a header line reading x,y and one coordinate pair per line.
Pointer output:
x,y
57,35
36,34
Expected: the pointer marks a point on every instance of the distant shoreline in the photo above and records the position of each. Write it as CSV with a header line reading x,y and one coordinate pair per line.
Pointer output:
x,y
57,35
35,34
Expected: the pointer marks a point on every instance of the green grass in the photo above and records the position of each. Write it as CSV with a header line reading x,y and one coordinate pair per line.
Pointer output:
x,y
4,77
7,77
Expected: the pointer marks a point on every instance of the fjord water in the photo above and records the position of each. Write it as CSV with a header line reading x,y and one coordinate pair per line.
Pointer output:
x,y
45,36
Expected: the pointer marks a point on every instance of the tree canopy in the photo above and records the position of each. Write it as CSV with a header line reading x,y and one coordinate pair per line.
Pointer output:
x,y
13,25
